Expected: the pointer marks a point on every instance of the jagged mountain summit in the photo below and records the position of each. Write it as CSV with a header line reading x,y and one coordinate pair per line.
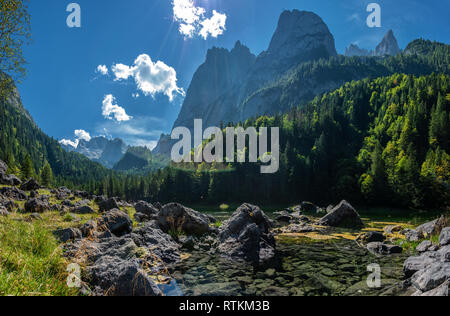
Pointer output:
x,y
354,50
387,47
100,149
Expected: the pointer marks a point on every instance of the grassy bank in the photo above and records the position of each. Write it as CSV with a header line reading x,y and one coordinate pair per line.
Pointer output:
x,y
31,261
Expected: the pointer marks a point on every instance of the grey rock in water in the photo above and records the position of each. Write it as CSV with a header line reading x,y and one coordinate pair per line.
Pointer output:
x,y
383,249
343,215
246,235
178,218
113,276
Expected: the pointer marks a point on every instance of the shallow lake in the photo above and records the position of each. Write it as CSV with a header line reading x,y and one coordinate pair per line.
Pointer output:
x,y
304,266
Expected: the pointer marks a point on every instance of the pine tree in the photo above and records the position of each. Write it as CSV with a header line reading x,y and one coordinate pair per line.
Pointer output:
x,y
46,175
27,170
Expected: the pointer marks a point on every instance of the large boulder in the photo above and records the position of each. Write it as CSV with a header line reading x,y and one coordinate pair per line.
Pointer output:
x,y
433,227
444,238
89,229
370,237
68,234
30,185
343,215
424,246
441,291
117,222
246,235
145,208
13,193
63,193
85,209
432,277
8,204
10,180
178,218
107,205
112,276
417,263
161,244
36,205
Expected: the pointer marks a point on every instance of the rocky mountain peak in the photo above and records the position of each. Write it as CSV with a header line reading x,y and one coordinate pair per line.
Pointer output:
x,y
299,32
354,50
388,46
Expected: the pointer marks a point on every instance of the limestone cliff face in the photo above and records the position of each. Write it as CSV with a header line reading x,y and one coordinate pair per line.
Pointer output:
x,y
222,85
221,74
300,36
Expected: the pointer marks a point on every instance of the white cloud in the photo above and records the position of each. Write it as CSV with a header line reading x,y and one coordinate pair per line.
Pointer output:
x,y
82,134
122,72
213,26
192,20
102,69
151,77
79,134
135,95
68,142
113,111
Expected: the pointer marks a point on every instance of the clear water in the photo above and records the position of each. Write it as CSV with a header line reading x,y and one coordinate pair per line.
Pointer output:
x,y
304,268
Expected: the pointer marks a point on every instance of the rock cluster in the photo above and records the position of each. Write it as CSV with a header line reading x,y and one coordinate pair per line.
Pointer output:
x,y
429,273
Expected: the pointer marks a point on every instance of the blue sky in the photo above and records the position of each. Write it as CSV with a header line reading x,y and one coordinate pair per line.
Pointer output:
x,y
139,98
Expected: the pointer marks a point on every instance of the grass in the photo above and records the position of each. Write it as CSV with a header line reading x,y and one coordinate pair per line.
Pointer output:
x,y
31,261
